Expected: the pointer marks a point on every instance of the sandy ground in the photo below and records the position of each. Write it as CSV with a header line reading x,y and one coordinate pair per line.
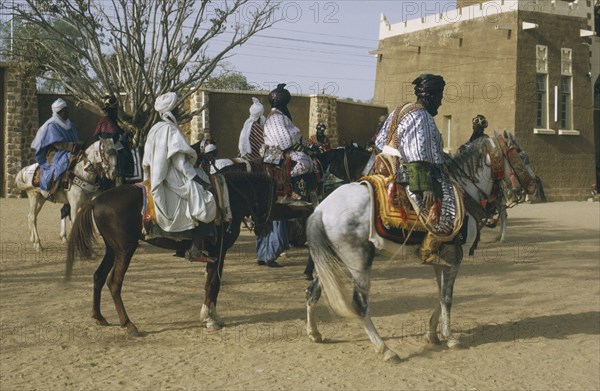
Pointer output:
x,y
527,312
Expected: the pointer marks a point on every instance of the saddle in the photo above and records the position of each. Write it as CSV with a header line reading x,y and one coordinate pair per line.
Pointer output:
x,y
281,173
150,228
394,220
64,180
395,213
385,165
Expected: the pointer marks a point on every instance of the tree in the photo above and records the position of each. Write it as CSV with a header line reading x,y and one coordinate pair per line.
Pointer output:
x,y
134,49
229,79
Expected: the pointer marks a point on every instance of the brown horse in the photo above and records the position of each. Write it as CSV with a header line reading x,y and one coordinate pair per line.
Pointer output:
x,y
117,216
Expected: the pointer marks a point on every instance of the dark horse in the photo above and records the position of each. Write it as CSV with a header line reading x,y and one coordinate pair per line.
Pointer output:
x,y
347,163
117,215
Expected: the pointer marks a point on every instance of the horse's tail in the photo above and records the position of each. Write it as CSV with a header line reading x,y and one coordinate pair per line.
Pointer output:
x,y
333,274
82,237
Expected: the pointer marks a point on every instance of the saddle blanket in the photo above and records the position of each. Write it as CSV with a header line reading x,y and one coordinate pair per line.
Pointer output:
x,y
392,222
35,181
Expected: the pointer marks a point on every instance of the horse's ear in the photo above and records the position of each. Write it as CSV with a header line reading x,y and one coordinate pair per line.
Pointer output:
x,y
506,134
496,134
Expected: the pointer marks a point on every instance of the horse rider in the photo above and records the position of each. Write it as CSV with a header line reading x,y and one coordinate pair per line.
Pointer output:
x,y
319,142
180,190
479,125
413,132
53,145
282,135
252,134
108,127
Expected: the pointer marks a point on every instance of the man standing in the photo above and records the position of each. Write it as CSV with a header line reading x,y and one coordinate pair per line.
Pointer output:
x,y
53,145
180,199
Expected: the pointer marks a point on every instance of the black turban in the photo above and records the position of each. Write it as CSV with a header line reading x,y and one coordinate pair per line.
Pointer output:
x,y
428,85
279,99
109,102
480,121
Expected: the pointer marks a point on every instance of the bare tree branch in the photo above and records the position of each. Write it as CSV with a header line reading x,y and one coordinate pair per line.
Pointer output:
x,y
134,49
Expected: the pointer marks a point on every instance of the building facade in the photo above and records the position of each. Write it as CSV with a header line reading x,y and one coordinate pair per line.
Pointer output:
x,y
528,66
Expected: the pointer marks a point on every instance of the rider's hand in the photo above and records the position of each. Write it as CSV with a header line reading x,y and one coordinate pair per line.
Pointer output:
x,y
428,198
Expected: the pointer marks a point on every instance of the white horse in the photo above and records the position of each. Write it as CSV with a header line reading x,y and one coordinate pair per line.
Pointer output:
x,y
338,238
99,160
512,194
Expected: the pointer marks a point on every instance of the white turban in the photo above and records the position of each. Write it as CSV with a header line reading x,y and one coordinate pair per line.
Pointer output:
x,y
257,109
164,104
58,105
256,113
210,148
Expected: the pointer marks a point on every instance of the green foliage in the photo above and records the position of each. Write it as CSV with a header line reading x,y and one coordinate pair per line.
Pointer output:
x,y
229,79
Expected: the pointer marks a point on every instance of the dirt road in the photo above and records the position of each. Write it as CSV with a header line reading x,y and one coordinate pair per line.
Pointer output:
x,y
527,312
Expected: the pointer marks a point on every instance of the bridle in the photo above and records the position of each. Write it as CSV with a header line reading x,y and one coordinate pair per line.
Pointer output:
x,y
98,170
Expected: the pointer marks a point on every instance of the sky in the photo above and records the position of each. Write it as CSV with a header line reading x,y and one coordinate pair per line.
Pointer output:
x,y
323,46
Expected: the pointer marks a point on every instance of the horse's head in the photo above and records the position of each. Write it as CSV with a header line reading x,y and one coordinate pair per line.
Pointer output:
x,y
103,156
346,162
519,174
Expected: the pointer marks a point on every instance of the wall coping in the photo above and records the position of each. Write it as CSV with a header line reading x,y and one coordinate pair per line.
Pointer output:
x,y
490,10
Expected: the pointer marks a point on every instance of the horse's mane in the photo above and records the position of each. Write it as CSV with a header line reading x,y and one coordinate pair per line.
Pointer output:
x,y
468,160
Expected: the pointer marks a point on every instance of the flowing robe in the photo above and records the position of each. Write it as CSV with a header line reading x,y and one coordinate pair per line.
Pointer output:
x,y
53,160
168,163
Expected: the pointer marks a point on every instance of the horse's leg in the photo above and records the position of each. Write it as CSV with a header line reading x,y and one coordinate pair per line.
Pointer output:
x,y
432,336
313,293
361,300
115,284
208,313
99,280
36,201
503,223
448,277
310,267
65,213
359,260
63,229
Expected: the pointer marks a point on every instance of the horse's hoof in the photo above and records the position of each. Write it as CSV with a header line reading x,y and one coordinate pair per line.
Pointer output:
x,y
37,247
391,357
133,331
432,338
453,343
315,337
63,239
101,321
214,324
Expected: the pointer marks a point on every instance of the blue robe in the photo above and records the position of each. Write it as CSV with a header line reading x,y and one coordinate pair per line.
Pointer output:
x,y
270,247
53,133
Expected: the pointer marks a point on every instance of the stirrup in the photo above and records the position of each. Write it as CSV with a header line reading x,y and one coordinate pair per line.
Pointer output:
x,y
203,257
434,259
